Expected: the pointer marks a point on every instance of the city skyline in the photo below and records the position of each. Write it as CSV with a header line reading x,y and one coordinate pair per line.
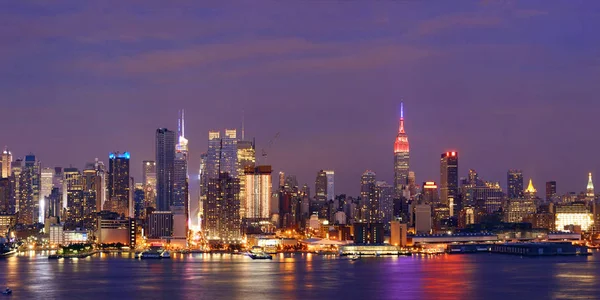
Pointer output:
x,y
517,116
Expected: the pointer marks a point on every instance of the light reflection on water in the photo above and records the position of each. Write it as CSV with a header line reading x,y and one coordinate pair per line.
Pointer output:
x,y
302,276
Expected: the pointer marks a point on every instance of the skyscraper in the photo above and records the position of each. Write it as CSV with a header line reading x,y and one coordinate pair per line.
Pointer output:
x,y
213,155
165,168
6,163
258,194
449,179
401,157
180,179
29,191
246,157
514,184
550,190
369,198
118,182
229,153
222,209
330,185
149,183
385,194
47,174
321,186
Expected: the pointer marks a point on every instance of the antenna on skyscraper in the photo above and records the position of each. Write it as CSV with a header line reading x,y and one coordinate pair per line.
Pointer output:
x,y
183,123
243,133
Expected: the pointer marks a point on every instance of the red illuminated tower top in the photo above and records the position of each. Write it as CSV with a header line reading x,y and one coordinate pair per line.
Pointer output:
x,y
401,144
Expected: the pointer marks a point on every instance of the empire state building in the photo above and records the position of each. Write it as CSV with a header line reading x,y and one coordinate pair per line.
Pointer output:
x,y
401,157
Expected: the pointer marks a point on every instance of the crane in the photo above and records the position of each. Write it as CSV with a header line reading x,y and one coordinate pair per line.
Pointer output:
x,y
264,150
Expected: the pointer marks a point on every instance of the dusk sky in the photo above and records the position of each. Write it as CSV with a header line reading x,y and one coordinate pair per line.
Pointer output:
x,y
507,84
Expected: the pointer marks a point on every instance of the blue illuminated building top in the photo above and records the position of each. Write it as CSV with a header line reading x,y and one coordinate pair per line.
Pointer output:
x,y
124,155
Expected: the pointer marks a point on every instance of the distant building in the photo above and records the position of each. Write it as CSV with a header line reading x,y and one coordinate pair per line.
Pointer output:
x,y
165,168
514,184
423,224
449,179
246,156
399,232
258,194
7,222
149,182
385,194
369,198
29,185
321,186
573,214
401,157
159,224
517,210
368,233
222,209
118,182
115,230
180,173
6,163
590,188
550,190
430,193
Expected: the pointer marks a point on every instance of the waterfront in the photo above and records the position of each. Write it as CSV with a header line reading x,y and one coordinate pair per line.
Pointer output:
x,y
302,276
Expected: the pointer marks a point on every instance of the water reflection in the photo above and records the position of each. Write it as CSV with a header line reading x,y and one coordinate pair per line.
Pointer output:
x,y
301,276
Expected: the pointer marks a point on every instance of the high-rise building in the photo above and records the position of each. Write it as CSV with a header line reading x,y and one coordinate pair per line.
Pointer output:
x,y
222,209
514,184
590,187
213,155
149,182
401,157
5,196
203,181
369,198
321,186
385,193
6,163
165,168
485,196
330,185
73,200
15,183
246,157
229,153
101,193
550,190
258,195
91,193
47,174
119,183
449,179
180,175
430,193
29,184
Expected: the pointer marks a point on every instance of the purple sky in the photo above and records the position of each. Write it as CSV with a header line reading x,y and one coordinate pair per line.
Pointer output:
x,y
509,84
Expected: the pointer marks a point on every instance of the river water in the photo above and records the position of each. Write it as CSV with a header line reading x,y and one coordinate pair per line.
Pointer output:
x,y
302,276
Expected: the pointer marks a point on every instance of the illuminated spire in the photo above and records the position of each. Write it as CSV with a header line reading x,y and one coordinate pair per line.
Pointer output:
x,y
401,130
590,186
530,189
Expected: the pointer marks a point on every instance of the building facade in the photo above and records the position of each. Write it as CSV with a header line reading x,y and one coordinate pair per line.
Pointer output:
x,y
165,168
